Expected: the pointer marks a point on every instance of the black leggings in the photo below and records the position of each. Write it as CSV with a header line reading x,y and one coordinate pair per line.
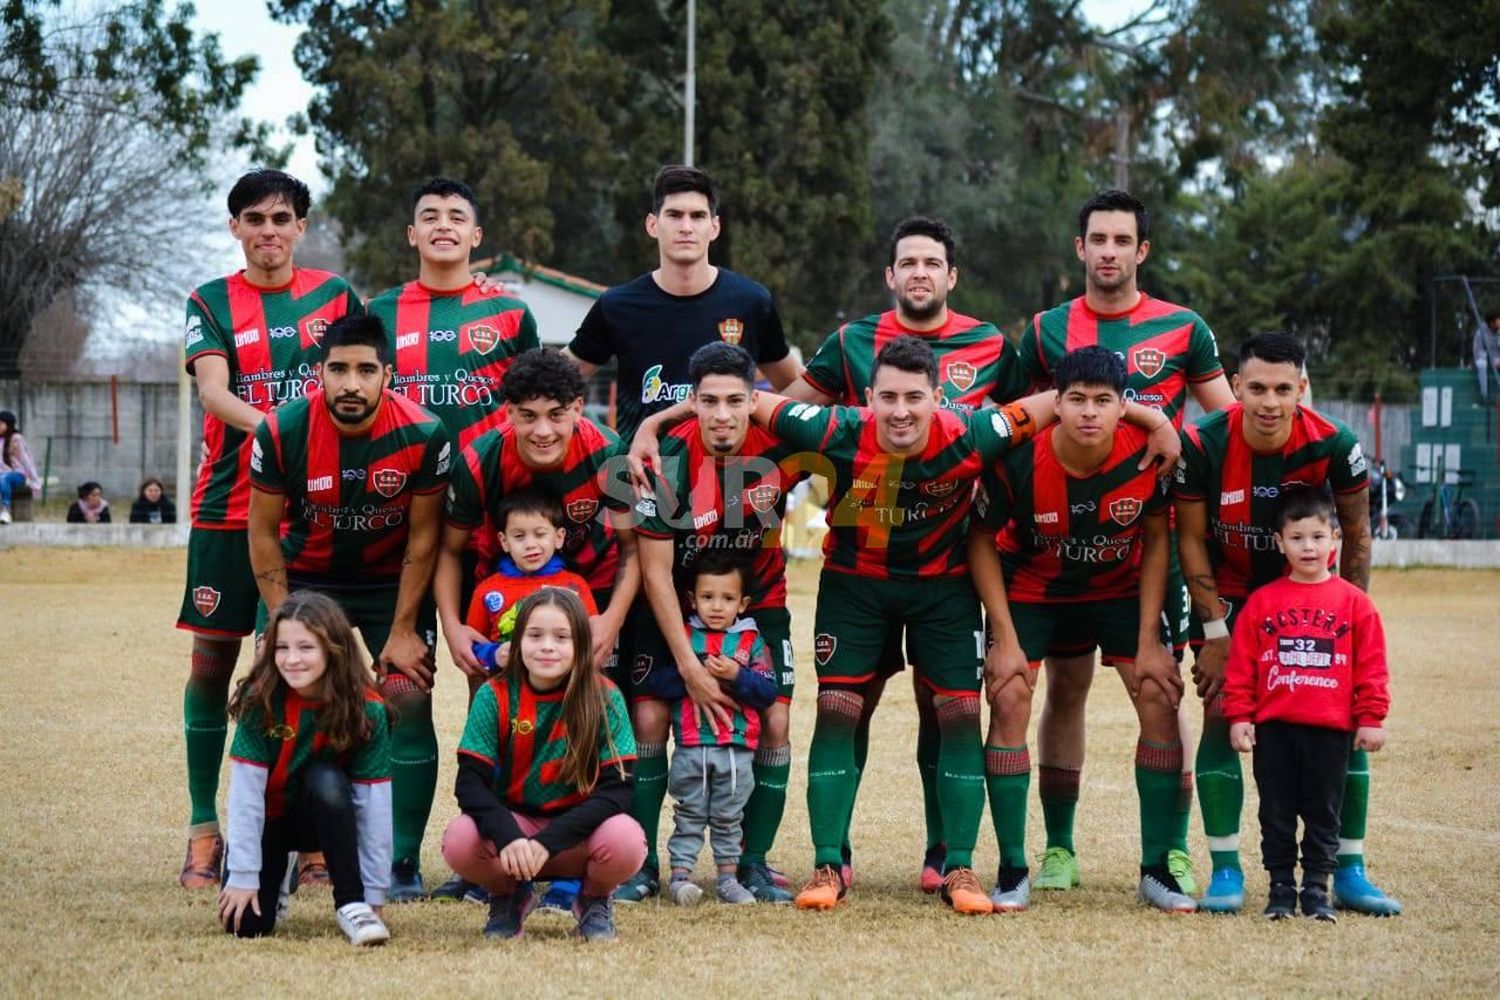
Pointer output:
x,y
320,819
1300,772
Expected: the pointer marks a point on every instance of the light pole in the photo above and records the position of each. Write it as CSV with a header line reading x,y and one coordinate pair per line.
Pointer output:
x,y
690,83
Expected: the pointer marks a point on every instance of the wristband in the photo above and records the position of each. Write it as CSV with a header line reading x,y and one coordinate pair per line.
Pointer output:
x,y
1215,629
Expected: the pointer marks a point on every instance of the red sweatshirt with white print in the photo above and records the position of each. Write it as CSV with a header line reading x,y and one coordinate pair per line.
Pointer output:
x,y
1309,653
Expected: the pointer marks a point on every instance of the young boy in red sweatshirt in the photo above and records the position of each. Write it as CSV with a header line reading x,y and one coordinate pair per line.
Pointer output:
x,y
1306,668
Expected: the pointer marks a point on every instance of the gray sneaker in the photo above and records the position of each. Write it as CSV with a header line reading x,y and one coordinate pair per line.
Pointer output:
x,y
1160,889
684,892
1012,892
596,918
731,891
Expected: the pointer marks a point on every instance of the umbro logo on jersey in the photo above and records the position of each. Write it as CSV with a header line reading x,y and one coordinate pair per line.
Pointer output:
x,y
705,520
1149,361
406,340
1045,517
444,459
206,600
193,332
731,331
316,327
247,337
582,510
388,482
961,374
442,336
804,411
320,483
256,456
1356,460
282,332
484,338
1125,510
1228,497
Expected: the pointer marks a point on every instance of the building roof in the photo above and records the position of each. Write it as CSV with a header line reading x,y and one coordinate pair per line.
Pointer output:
x,y
508,262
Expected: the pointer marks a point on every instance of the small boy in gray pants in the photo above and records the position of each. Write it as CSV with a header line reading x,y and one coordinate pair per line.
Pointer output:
x,y
711,778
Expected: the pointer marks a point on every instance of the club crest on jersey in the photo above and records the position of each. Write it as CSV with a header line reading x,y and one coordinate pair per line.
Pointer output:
x,y
823,646
388,482
1149,361
484,338
762,498
961,374
316,327
1125,510
940,488
731,330
582,510
640,669
206,600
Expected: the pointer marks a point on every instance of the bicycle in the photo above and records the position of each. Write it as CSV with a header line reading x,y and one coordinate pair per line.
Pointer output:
x,y
1448,513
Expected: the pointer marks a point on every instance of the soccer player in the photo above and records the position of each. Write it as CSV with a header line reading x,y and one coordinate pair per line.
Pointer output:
x,y
902,474
1080,563
453,338
719,488
653,323
348,499
1167,350
251,342
1235,465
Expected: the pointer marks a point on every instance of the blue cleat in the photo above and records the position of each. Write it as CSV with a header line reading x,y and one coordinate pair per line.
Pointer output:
x,y
1226,892
1353,890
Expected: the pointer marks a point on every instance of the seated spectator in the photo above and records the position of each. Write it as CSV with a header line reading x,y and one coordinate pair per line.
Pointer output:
x,y
90,507
153,506
17,467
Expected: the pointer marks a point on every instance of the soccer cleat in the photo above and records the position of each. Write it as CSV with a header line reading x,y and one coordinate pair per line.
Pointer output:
x,y
508,913
1226,892
596,918
684,892
758,879
1159,889
1282,903
823,891
1315,904
931,879
963,892
204,863
560,895
1012,893
638,887
1353,890
361,926
1059,870
406,883
1180,864
456,888
312,869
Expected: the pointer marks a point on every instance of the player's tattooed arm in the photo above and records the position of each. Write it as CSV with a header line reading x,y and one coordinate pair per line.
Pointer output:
x,y
212,375
266,559
1153,660
1354,524
1203,591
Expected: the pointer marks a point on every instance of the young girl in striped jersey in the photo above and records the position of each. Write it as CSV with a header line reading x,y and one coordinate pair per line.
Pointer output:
x,y
309,770
544,775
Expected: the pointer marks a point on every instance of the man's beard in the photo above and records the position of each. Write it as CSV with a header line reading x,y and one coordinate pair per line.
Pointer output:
x,y
921,313
345,418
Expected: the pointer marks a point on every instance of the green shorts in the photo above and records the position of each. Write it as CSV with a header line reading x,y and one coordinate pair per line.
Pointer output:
x,y
1176,610
649,655
370,610
1077,628
858,616
220,596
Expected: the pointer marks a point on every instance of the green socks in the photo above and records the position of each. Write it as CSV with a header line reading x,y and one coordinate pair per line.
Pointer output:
x,y
960,778
1221,791
648,794
832,774
1158,777
1058,789
927,756
1356,808
414,765
772,766
1007,775
204,727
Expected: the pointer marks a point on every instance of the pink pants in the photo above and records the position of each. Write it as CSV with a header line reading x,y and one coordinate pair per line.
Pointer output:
x,y
609,855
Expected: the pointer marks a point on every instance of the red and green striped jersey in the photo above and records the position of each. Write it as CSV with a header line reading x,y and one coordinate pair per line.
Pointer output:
x,y
891,516
1241,488
743,644
518,733
291,739
1062,538
708,502
591,481
348,498
1164,346
270,338
452,349
975,361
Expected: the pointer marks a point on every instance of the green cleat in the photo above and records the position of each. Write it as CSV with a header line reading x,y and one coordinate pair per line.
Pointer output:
x,y
1180,864
1059,870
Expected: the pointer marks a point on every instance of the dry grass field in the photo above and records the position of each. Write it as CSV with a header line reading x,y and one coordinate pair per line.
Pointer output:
x,y
93,800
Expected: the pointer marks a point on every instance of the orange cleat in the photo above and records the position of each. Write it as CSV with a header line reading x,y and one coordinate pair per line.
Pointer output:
x,y
962,891
823,891
312,869
205,857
